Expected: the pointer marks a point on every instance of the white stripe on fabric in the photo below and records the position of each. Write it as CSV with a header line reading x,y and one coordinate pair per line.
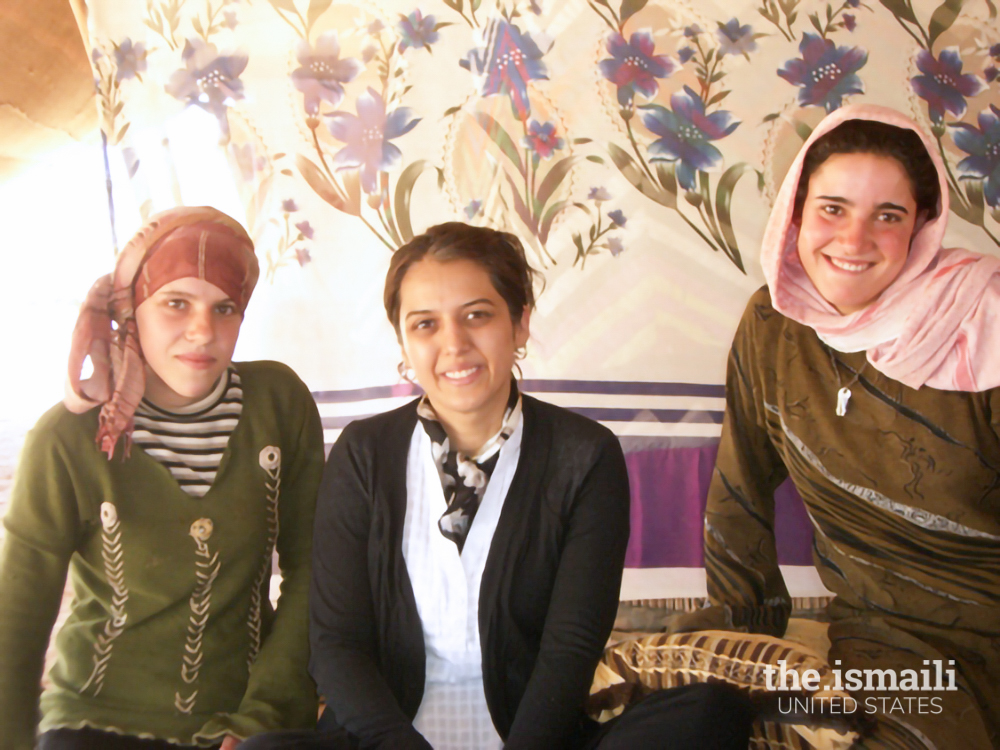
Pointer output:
x,y
226,411
658,583
184,473
213,441
192,461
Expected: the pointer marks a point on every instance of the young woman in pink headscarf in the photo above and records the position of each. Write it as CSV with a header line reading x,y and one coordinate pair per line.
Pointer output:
x,y
868,370
163,486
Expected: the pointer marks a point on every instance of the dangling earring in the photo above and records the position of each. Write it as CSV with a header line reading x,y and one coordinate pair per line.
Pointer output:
x,y
407,373
520,353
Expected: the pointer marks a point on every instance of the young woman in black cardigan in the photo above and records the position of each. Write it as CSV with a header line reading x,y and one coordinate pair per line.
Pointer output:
x,y
429,630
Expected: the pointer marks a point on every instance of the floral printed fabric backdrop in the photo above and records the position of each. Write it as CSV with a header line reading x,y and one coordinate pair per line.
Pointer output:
x,y
633,145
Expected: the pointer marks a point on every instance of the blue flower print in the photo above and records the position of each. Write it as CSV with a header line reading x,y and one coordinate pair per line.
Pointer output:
x,y
634,66
208,80
542,141
416,31
735,39
130,60
983,146
473,209
367,137
505,64
943,85
825,73
685,133
305,229
322,74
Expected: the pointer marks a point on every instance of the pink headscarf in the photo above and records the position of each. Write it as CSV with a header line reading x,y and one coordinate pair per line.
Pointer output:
x,y
198,242
937,324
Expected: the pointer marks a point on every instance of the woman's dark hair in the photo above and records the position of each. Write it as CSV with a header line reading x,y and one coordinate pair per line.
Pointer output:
x,y
500,254
871,137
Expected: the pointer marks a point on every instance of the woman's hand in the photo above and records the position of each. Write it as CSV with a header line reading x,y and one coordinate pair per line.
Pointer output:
x,y
230,743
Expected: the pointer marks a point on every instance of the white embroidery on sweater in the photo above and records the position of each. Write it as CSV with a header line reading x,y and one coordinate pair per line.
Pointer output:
x,y
114,571
206,571
270,462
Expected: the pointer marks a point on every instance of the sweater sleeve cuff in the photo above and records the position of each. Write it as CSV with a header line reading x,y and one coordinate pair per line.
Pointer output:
x,y
242,726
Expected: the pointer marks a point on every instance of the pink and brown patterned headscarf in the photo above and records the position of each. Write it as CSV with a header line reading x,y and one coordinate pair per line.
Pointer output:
x,y
198,242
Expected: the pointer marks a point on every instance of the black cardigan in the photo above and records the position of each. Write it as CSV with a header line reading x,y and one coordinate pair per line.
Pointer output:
x,y
548,597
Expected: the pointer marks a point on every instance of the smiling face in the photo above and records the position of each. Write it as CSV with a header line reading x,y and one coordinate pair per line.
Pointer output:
x,y
187,331
457,334
857,222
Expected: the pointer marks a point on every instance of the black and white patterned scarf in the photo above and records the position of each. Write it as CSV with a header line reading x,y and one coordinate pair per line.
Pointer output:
x,y
463,477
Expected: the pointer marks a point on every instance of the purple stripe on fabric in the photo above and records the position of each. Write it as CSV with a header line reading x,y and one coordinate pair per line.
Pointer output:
x,y
668,500
623,388
669,490
604,387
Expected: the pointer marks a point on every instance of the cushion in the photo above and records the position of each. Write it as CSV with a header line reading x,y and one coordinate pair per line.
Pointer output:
x,y
633,668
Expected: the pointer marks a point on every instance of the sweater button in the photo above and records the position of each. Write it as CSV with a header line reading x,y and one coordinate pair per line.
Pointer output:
x,y
109,516
201,529
270,458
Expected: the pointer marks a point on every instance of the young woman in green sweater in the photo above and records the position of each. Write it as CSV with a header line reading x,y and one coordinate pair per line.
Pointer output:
x,y
211,466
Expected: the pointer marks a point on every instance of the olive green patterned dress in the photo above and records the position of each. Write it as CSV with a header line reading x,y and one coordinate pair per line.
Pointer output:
x,y
904,496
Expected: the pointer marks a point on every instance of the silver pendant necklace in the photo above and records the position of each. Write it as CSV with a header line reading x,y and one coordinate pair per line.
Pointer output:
x,y
844,394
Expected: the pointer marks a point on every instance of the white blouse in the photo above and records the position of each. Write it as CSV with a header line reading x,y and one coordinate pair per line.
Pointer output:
x,y
453,714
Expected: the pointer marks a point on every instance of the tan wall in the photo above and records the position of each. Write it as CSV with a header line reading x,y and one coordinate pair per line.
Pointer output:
x,y
46,90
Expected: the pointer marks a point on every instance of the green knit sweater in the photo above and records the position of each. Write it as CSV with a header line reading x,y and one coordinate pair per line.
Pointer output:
x,y
171,633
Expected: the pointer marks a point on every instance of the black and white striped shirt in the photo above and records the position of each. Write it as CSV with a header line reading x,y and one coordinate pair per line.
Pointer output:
x,y
190,442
